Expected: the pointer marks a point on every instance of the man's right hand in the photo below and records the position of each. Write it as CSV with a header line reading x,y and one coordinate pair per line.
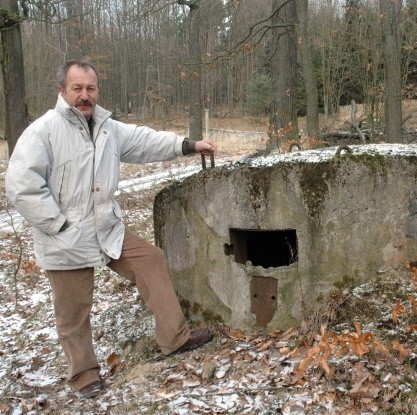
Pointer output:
x,y
205,147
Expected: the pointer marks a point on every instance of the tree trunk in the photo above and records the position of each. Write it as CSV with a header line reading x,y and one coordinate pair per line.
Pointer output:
x,y
195,71
308,69
391,37
13,75
283,120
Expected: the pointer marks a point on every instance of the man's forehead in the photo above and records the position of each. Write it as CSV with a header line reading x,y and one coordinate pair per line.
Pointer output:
x,y
78,73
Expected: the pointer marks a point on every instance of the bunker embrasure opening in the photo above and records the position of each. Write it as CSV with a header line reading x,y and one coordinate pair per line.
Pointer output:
x,y
265,248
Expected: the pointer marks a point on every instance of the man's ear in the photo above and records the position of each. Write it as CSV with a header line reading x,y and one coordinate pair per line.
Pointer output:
x,y
61,89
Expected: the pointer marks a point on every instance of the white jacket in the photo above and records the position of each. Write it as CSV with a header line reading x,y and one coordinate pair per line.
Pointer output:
x,y
57,173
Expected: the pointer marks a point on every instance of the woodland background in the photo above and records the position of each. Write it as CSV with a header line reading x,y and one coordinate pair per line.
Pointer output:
x,y
277,59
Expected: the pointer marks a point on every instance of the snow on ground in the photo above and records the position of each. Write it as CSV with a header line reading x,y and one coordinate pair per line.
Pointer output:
x,y
361,361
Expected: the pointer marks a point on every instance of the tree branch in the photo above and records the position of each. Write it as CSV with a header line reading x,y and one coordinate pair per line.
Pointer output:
x,y
19,259
260,28
192,4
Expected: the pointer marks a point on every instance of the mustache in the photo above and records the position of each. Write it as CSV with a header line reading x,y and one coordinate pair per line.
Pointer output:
x,y
84,102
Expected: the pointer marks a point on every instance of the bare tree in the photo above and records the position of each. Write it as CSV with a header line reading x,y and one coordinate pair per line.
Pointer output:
x,y
327,37
283,121
366,66
304,42
248,49
195,69
390,21
13,72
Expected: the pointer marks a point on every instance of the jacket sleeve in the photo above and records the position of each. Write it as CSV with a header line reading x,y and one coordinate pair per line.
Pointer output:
x,y
26,183
145,145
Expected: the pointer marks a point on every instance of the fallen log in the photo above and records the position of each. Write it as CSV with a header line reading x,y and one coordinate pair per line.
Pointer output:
x,y
342,134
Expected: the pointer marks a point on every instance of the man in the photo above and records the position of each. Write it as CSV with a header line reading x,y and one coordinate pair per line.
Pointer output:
x,y
62,177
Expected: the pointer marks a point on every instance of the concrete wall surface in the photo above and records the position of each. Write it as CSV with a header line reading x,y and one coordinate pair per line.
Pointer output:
x,y
261,242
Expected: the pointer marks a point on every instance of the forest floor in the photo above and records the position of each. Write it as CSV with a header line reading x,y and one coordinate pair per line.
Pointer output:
x,y
356,355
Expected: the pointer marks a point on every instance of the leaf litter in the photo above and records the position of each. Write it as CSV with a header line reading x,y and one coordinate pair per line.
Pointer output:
x,y
354,356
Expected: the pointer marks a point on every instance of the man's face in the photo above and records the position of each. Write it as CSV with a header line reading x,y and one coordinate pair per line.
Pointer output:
x,y
81,89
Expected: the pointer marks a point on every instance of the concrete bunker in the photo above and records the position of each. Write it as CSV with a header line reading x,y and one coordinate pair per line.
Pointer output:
x,y
259,243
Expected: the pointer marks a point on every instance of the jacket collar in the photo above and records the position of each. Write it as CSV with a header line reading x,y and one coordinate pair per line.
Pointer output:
x,y
73,115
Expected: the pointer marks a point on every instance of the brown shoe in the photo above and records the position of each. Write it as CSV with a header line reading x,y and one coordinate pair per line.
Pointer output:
x,y
198,337
92,389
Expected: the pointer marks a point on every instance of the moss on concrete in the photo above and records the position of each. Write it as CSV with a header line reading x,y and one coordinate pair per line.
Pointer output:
x,y
314,184
195,309
260,182
373,161
347,281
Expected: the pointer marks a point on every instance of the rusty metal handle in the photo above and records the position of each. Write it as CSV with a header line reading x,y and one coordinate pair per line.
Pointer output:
x,y
292,145
343,147
212,159
203,160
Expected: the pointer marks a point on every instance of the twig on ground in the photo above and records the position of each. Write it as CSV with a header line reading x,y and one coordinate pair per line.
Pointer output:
x,y
19,258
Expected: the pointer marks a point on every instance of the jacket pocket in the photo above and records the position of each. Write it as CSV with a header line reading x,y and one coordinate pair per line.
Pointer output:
x,y
77,246
117,210
59,182
65,179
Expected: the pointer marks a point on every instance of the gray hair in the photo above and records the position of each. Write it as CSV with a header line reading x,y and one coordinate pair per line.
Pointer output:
x,y
63,70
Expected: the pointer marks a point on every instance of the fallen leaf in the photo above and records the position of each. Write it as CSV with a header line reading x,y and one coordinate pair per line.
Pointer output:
x,y
285,351
397,310
222,371
357,387
165,394
30,405
322,361
413,301
358,327
191,383
281,344
208,370
113,359
303,366
264,346
378,346
403,350
410,328
359,347
115,363
189,368
37,362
